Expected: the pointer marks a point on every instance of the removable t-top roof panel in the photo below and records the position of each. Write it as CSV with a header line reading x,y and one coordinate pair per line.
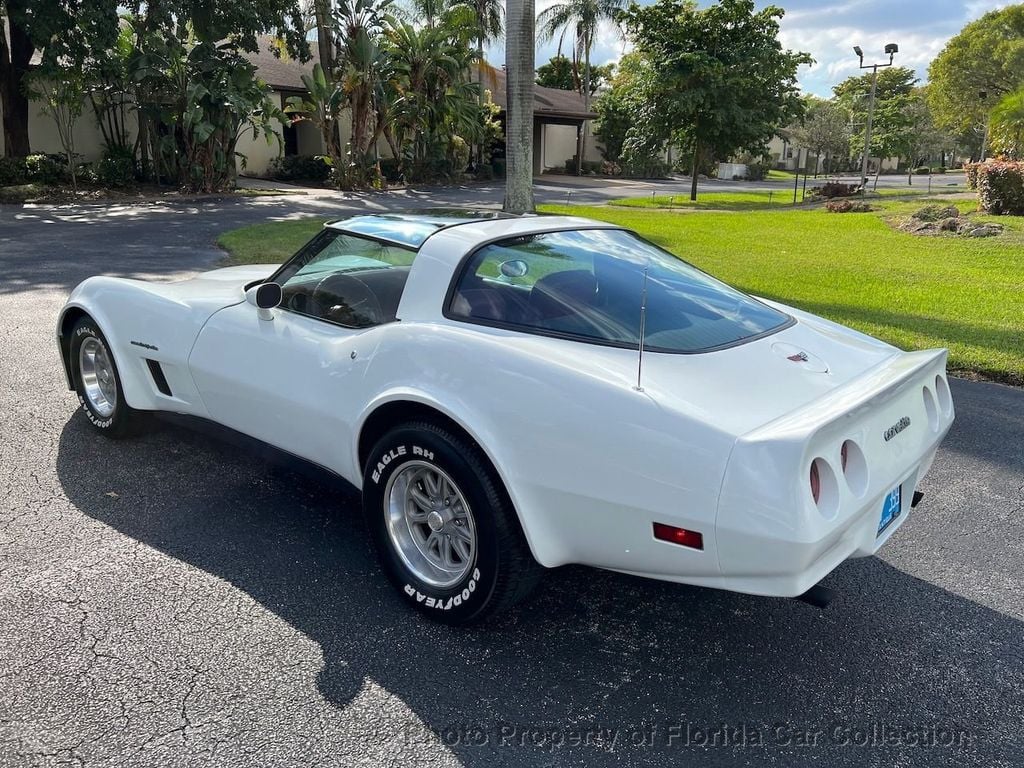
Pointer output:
x,y
412,229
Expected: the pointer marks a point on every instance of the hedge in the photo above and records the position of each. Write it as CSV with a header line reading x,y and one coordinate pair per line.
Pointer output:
x,y
971,172
38,168
1000,186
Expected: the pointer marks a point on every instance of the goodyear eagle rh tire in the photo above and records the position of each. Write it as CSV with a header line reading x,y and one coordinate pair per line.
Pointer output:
x,y
444,528
98,383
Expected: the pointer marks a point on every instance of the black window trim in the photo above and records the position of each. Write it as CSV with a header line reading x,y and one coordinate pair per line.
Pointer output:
x,y
464,262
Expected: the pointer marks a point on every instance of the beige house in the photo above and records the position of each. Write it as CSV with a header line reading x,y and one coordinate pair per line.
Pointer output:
x,y
789,157
558,115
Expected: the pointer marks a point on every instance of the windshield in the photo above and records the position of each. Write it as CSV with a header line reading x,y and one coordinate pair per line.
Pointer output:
x,y
590,284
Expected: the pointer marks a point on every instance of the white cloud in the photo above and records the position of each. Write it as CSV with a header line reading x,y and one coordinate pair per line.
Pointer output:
x,y
828,31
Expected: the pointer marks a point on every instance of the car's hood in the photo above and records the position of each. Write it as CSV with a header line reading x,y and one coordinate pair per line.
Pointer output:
x,y
227,284
744,387
205,293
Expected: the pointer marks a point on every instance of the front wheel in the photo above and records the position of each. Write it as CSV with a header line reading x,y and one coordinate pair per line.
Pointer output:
x,y
447,535
98,383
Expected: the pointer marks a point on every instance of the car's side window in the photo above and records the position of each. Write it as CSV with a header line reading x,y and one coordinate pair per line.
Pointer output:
x,y
345,279
518,282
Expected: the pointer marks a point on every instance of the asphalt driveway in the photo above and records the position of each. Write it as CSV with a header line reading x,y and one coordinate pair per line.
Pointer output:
x,y
176,600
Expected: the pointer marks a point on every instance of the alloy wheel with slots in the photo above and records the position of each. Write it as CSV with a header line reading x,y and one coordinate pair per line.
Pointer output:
x,y
99,385
430,524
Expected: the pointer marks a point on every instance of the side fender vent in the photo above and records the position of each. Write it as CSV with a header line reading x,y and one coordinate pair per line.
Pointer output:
x,y
158,377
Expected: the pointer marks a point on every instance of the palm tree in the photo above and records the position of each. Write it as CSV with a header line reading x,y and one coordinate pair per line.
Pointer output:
x,y
429,72
359,24
519,63
582,18
1008,119
488,27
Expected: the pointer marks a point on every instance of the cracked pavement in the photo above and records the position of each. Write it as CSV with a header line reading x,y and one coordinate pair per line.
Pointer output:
x,y
180,600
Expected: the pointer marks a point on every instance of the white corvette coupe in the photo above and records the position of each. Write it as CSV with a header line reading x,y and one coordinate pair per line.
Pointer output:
x,y
514,393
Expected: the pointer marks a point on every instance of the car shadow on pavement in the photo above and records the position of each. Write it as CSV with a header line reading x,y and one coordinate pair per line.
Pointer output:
x,y
594,669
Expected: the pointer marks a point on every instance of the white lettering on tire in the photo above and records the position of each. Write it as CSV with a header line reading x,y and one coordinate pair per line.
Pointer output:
x,y
101,423
394,453
439,602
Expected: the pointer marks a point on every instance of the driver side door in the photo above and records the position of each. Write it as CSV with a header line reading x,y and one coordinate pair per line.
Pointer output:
x,y
291,376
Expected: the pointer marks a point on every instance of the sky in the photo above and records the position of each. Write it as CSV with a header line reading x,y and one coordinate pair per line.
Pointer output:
x,y
828,30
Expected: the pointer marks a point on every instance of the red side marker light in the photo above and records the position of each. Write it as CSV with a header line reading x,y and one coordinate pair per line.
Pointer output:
x,y
673,535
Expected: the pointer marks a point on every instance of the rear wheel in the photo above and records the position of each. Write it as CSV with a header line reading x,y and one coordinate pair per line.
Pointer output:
x,y
98,383
447,535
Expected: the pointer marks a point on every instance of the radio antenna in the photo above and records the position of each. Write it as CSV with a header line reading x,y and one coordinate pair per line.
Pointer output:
x,y
643,329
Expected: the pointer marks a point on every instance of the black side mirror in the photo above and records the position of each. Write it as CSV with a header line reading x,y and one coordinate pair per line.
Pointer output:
x,y
264,295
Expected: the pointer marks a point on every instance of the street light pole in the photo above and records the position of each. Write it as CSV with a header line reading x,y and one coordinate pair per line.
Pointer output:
x,y
892,49
867,132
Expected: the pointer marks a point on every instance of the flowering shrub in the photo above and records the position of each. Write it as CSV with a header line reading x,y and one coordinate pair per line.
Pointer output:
x,y
971,172
1000,186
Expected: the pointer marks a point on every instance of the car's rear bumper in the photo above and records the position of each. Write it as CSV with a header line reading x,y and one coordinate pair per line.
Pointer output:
x,y
786,567
771,537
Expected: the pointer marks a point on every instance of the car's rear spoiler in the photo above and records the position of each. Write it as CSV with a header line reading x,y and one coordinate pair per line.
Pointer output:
x,y
874,386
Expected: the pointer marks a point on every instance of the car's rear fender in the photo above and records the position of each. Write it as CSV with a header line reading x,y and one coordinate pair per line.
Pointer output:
x,y
588,461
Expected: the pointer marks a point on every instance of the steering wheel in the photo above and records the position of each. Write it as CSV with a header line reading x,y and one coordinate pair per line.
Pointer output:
x,y
346,300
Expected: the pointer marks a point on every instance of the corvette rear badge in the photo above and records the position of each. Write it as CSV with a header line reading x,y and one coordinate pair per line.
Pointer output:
x,y
896,428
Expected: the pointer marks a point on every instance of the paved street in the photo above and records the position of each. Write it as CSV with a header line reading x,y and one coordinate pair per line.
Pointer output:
x,y
175,600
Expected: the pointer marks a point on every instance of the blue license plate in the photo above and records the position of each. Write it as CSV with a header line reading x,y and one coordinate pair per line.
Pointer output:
x,y
891,508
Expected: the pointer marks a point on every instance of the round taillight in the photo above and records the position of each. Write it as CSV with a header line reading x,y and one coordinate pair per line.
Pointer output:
x,y
815,482
855,467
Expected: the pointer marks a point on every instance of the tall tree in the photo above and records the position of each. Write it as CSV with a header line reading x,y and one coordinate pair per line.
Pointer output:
x,y
825,130
60,29
718,79
15,56
922,138
615,108
891,123
565,75
519,62
360,24
487,26
581,18
323,22
980,65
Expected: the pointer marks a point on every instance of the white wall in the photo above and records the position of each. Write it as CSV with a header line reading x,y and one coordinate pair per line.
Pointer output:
x,y
558,144
258,151
43,135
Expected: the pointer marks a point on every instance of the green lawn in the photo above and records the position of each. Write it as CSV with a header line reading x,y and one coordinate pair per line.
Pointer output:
x,y
268,243
745,201
915,292
721,201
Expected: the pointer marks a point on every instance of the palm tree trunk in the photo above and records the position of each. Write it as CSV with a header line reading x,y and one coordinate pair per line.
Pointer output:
x,y
14,69
480,87
519,61
324,36
581,142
